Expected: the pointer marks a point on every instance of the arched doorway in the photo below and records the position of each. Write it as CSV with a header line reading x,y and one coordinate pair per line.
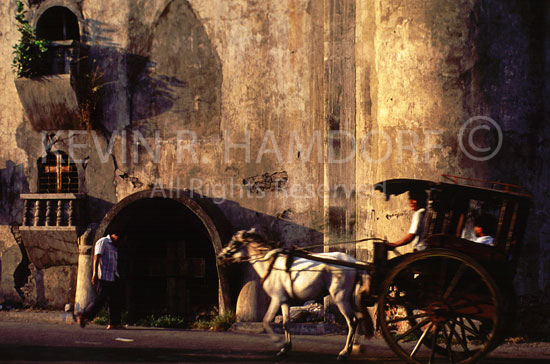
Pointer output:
x,y
168,265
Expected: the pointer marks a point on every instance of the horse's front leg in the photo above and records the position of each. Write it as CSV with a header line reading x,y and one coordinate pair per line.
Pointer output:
x,y
269,316
286,323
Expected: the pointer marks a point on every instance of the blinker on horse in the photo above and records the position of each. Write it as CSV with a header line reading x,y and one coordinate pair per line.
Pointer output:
x,y
301,279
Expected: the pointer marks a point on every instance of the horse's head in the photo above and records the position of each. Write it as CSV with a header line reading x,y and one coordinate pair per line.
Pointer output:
x,y
235,251
238,248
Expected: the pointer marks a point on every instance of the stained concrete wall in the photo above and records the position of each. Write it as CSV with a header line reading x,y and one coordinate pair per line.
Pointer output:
x,y
245,79
413,58
234,50
10,257
162,65
428,67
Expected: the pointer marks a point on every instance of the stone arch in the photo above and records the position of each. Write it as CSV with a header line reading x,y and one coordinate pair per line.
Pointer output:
x,y
85,25
58,23
68,4
210,217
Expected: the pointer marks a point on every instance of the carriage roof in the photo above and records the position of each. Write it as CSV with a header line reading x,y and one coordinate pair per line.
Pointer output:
x,y
458,185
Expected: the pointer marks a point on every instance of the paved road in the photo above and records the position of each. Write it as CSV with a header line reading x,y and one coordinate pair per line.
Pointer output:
x,y
43,342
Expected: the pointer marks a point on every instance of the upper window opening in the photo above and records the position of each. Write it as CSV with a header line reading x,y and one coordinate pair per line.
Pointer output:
x,y
57,173
58,23
59,26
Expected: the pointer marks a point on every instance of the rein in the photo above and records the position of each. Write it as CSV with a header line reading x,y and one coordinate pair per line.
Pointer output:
x,y
309,247
304,253
270,268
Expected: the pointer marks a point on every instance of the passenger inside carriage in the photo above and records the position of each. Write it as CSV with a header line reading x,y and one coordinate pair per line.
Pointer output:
x,y
484,229
480,222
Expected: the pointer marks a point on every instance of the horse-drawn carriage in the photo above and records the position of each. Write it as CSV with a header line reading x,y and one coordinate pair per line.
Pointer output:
x,y
448,303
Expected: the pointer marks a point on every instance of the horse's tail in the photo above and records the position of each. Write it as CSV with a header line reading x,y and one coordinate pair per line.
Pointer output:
x,y
362,291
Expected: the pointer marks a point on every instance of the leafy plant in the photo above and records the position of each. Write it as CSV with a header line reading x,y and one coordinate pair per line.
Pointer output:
x,y
217,323
29,52
102,317
168,321
214,323
223,322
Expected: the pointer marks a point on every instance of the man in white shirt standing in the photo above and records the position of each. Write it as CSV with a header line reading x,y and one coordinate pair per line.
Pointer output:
x,y
105,279
417,203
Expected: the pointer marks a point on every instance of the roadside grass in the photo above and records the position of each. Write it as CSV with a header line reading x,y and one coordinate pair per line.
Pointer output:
x,y
214,323
165,321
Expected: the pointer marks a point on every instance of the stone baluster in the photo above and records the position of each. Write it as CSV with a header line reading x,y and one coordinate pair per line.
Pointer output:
x,y
60,213
50,213
27,217
71,213
37,212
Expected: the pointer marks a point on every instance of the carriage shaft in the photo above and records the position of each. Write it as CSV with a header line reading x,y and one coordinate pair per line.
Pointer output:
x,y
369,267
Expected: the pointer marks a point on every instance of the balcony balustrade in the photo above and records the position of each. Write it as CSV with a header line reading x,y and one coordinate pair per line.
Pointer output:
x,y
52,223
51,209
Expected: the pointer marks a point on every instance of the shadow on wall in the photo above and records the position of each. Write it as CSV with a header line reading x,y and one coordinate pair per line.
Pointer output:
x,y
511,77
275,228
229,217
169,77
13,182
94,211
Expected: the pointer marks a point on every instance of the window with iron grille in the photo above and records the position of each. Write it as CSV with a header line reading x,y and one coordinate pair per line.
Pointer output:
x,y
57,174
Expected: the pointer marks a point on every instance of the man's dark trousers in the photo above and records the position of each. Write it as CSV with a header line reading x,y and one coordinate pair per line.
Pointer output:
x,y
109,292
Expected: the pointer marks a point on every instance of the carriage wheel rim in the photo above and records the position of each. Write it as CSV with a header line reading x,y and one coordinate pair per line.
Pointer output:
x,y
443,320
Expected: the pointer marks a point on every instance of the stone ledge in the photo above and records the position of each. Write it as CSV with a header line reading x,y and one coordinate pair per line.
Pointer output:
x,y
51,196
56,317
60,228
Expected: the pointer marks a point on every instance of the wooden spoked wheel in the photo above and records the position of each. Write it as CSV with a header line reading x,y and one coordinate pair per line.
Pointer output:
x,y
439,306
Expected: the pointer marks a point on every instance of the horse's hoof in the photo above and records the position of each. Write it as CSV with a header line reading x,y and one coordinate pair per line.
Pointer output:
x,y
281,354
342,357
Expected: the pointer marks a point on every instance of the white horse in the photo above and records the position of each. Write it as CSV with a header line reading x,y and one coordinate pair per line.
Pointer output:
x,y
300,279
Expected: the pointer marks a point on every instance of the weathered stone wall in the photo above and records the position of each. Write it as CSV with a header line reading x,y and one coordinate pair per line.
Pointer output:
x,y
416,54
512,71
13,166
428,67
10,257
161,65
249,43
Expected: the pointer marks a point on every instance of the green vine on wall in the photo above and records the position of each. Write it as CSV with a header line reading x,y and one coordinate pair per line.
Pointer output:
x,y
29,52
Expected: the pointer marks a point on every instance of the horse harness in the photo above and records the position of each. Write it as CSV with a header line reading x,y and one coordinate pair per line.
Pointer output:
x,y
288,264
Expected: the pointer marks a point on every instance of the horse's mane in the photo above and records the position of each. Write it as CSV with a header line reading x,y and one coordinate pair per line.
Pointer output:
x,y
251,237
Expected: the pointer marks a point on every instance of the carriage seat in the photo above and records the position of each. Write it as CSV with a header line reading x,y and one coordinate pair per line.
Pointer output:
x,y
480,251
